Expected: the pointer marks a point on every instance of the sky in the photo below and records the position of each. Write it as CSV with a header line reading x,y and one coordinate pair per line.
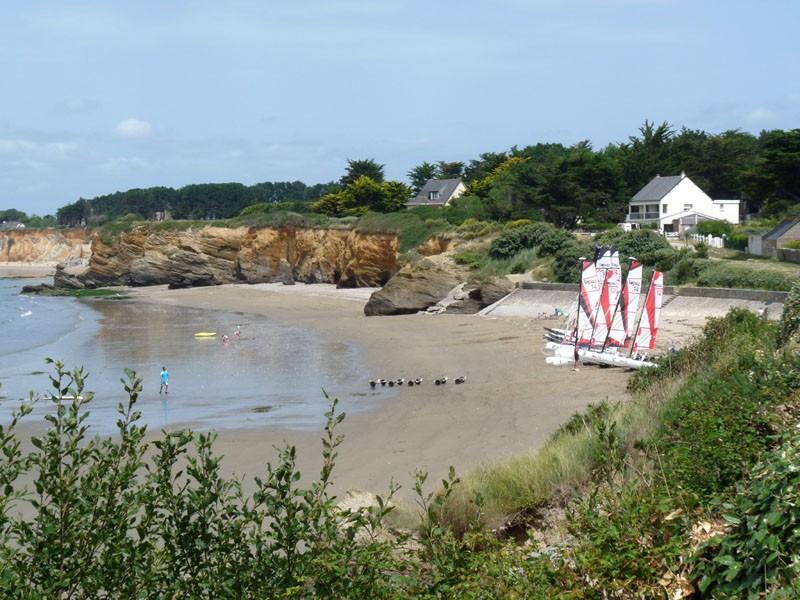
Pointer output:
x,y
102,96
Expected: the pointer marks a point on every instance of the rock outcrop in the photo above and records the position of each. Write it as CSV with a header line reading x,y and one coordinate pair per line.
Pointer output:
x,y
217,255
45,245
415,287
478,296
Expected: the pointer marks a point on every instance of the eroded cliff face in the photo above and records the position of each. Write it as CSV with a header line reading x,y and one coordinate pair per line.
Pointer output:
x,y
215,255
45,245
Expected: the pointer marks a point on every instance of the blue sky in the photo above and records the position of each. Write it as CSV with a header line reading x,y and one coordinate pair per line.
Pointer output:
x,y
102,96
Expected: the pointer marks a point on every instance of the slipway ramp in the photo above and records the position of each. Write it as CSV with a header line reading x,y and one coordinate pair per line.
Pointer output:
x,y
523,302
684,314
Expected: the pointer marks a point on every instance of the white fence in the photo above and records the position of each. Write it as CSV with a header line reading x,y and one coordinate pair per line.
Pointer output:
x,y
708,240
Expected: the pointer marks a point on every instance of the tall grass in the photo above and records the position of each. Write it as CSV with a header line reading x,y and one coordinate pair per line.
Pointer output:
x,y
569,460
411,230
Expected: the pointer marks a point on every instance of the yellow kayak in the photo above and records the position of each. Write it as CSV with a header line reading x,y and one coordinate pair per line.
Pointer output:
x,y
204,334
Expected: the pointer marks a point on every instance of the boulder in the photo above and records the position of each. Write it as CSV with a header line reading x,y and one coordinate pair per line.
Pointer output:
x,y
481,295
414,288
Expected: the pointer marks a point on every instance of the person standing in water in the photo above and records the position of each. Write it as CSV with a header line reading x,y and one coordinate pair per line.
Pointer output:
x,y
164,381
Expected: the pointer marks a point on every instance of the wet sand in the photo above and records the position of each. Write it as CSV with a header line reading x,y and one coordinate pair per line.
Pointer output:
x,y
510,403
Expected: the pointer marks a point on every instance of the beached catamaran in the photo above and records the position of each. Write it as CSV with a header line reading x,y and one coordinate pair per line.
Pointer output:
x,y
604,328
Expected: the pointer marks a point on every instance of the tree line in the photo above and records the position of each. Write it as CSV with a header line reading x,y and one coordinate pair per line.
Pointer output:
x,y
563,185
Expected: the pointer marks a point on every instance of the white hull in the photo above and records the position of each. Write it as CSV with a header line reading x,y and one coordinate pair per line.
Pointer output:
x,y
564,354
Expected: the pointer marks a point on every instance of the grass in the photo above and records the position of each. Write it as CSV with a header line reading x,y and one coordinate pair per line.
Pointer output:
x,y
565,465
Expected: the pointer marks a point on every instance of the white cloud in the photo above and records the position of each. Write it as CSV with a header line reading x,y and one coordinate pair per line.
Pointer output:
x,y
29,148
761,115
133,128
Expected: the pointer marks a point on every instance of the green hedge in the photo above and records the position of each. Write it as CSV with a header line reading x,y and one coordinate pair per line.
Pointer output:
x,y
732,275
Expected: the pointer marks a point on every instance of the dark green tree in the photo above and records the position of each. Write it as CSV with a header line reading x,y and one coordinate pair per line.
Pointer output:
x,y
362,196
12,214
74,215
450,170
362,168
774,178
420,174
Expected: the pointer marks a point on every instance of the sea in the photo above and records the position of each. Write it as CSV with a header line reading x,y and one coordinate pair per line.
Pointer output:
x,y
271,374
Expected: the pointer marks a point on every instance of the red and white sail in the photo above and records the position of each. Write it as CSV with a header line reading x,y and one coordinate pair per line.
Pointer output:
x,y
651,314
588,301
624,320
609,297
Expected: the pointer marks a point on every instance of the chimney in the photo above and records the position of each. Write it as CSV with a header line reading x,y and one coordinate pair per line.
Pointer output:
x,y
683,174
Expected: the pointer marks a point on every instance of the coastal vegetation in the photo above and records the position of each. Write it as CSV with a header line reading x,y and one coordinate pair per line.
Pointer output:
x,y
689,487
570,187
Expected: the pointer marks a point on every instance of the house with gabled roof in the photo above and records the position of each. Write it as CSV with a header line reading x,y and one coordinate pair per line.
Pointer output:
x,y
676,203
438,192
770,243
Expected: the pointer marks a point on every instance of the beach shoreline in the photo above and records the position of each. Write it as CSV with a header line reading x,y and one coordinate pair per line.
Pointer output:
x,y
510,403
27,270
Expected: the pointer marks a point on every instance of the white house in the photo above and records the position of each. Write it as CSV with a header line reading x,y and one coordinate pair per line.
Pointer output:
x,y
438,192
676,203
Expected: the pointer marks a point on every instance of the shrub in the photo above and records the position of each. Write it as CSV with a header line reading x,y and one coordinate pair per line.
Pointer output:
x,y
758,556
543,237
470,258
567,264
738,275
115,518
714,228
737,241
790,319
644,244
719,423
793,245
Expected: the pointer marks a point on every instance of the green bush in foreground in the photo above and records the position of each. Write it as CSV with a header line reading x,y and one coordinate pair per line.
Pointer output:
x,y
101,520
105,518
760,555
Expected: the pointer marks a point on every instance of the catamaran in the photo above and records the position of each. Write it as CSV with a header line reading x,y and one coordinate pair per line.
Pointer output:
x,y
604,329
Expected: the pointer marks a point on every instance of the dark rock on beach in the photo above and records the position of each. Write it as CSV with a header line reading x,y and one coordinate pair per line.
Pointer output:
x,y
479,296
415,287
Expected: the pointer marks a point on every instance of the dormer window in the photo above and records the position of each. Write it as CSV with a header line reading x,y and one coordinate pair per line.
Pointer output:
x,y
433,196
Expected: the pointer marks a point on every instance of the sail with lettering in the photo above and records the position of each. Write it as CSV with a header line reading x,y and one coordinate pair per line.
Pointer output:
x,y
609,297
651,314
588,301
624,320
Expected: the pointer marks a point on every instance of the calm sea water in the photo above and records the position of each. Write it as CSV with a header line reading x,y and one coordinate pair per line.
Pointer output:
x,y
272,374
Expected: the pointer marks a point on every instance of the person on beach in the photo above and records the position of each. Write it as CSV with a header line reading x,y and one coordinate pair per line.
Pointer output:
x,y
164,381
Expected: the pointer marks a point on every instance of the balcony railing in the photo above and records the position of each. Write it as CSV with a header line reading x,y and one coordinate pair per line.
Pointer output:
x,y
643,216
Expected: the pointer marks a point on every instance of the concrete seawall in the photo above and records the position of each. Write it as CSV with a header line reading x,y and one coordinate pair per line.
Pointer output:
x,y
684,313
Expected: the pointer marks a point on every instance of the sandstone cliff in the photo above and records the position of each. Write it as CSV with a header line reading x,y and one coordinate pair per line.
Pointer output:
x,y
215,255
45,245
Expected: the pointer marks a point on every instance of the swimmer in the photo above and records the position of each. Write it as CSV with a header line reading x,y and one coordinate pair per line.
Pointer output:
x,y
224,339
238,331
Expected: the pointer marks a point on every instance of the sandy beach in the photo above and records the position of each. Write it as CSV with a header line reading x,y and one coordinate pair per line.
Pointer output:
x,y
510,403
25,269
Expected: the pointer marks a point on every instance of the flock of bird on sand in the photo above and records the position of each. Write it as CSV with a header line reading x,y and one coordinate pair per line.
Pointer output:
x,y
373,383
